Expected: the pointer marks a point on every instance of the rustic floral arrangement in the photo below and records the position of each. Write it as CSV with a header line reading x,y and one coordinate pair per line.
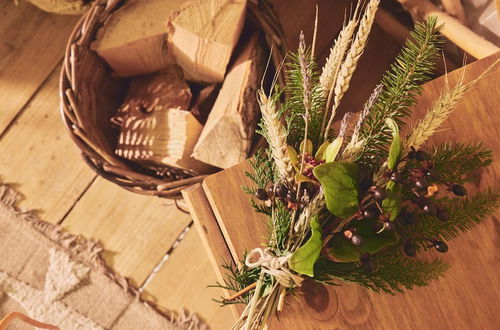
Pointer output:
x,y
357,205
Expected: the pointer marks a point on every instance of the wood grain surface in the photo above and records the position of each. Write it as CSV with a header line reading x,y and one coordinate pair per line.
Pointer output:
x,y
466,298
32,45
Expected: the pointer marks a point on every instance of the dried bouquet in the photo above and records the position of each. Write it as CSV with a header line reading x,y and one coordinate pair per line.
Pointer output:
x,y
359,204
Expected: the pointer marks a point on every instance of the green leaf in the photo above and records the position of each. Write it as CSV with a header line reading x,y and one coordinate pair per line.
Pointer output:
x,y
303,259
294,158
340,184
333,149
342,249
306,146
320,154
392,203
395,149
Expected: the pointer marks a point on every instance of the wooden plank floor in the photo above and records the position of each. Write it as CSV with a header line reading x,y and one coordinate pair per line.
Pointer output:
x,y
146,239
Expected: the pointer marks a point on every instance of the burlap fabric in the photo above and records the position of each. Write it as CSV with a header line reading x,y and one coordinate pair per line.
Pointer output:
x,y
61,279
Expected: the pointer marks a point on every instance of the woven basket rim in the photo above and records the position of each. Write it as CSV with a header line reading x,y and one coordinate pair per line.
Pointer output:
x,y
111,167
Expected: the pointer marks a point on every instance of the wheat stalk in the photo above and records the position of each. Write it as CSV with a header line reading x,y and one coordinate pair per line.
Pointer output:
x,y
349,65
440,111
334,61
275,135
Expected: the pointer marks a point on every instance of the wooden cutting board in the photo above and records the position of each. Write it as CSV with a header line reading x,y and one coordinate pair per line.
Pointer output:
x,y
466,298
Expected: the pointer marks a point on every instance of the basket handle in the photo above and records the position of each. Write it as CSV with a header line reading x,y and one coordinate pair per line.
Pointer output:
x,y
4,323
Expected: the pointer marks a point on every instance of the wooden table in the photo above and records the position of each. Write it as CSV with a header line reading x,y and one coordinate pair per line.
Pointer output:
x,y
466,298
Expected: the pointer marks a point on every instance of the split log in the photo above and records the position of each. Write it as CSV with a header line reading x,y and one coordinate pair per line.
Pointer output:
x,y
64,7
458,33
455,9
203,35
163,90
165,136
155,126
132,40
227,135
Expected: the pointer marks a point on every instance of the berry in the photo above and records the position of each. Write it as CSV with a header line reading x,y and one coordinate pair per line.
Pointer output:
x,y
291,196
422,155
421,183
379,194
443,214
413,153
410,249
459,190
432,173
281,190
261,194
356,240
396,177
441,246
430,209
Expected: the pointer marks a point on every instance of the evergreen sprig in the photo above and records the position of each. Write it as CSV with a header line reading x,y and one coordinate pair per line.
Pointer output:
x,y
452,161
402,83
394,272
464,214
294,104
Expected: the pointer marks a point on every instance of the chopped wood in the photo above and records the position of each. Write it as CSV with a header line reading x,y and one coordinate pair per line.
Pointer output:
x,y
203,35
227,136
455,9
165,136
163,90
155,124
132,40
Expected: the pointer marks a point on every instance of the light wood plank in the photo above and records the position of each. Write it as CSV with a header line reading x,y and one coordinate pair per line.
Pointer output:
x,y
183,280
32,45
462,300
136,230
41,159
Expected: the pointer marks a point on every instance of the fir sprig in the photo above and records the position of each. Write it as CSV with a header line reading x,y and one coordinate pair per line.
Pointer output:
x,y
464,214
413,66
295,103
393,273
453,160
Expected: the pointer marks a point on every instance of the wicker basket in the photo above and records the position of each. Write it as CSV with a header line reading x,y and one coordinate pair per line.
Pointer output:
x,y
90,96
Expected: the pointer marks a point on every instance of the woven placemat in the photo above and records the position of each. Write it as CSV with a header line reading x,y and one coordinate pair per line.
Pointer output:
x,y
61,279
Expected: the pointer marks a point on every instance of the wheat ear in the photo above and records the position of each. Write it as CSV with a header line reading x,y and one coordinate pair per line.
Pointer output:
x,y
440,111
275,135
331,68
349,65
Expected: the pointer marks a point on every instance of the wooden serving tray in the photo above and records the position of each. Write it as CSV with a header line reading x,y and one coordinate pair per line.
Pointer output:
x,y
466,298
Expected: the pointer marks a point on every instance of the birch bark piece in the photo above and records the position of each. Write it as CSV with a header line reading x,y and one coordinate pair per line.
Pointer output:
x,y
132,40
203,34
227,135
64,7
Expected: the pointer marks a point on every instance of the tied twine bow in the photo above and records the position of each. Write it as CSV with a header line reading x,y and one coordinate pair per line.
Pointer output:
x,y
274,266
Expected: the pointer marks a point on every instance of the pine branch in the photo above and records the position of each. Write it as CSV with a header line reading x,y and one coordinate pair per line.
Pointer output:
x,y
453,161
394,271
302,79
413,67
464,215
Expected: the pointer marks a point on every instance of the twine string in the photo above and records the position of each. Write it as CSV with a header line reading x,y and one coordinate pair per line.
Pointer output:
x,y
274,266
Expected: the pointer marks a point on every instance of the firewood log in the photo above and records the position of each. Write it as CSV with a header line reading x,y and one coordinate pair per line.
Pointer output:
x,y
155,126
132,40
204,101
203,35
166,89
227,135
